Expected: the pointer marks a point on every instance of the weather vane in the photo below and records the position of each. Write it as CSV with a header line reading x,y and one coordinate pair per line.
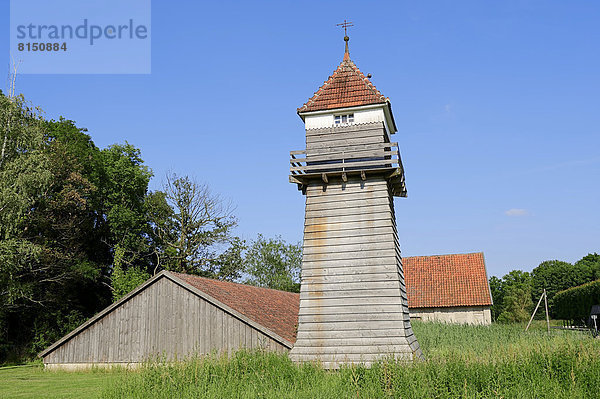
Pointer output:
x,y
345,25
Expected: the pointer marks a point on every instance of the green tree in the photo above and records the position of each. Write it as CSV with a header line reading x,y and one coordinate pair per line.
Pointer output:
x,y
497,297
46,273
555,276
517,304
124,281
122,201
591,262
516,297
273,263
229,264
66,209
516,278
21,127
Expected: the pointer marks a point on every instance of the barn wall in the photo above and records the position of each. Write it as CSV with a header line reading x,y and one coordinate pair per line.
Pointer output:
x,y
458,315
353,305
163,319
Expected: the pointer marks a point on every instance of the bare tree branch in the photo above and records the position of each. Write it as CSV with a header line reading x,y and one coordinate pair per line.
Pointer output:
x,y
201,222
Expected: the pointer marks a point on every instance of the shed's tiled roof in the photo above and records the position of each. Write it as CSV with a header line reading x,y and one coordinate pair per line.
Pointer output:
x,y
347,87
273,309
446,280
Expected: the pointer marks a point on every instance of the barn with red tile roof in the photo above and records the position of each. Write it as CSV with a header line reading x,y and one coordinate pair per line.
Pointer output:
x,y
448,288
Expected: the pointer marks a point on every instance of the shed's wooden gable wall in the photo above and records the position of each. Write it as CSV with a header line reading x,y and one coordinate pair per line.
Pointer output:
x,y
164,319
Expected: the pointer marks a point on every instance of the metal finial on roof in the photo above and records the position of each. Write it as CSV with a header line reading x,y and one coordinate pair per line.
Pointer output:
x,y
346,25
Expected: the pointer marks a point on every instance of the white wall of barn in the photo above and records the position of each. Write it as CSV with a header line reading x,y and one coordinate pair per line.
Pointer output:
x,y
456,315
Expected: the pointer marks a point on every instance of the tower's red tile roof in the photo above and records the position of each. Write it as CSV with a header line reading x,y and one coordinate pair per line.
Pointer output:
x,y
347,87
273,309
446,280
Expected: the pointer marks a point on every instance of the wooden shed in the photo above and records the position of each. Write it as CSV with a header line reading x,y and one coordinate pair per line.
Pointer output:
x,y
448,288
174,315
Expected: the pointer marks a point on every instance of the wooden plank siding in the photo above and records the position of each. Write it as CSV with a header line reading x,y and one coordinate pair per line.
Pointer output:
x,y
353,305
164,320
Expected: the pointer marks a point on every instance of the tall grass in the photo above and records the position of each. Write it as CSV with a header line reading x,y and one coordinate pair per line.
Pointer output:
x,y
461,361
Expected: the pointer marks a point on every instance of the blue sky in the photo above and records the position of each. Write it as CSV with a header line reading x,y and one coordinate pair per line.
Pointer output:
x,y
496,103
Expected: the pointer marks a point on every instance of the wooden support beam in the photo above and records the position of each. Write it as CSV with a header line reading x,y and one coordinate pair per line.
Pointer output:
x,y
344,177
546,305
363,175
324,177
535,310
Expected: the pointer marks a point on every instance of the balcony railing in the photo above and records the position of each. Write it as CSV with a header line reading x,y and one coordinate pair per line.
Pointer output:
x,y
332,160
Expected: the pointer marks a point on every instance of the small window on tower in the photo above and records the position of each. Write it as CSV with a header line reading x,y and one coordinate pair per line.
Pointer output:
x,y
343,119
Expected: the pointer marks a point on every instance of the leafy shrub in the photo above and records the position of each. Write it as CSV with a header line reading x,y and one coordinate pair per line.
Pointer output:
x,y
575,303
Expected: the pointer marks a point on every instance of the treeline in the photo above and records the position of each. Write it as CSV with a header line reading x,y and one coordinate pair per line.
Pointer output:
x,y
516,294
80,228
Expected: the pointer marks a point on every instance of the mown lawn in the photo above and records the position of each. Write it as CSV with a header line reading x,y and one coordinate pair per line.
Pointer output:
x,y
462,361
32,381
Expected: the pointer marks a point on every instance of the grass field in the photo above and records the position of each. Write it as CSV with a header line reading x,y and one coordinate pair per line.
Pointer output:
x,y
462,361
32,381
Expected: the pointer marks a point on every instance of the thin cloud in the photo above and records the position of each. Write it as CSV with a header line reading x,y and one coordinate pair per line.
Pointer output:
x,y
567,164
516,212
446,113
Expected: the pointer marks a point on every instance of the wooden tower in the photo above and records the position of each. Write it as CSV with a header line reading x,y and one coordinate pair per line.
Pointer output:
x,y
353,306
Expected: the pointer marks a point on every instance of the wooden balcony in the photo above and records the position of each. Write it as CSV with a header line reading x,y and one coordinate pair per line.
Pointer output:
x,y
365,160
